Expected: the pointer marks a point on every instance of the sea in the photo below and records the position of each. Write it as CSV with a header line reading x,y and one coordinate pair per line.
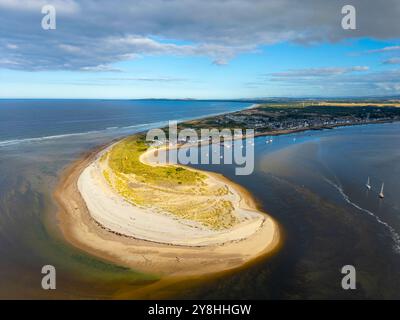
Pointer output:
x,y
312,183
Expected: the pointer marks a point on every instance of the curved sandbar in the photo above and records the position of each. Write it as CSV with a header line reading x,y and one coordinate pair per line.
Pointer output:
x,y
152,235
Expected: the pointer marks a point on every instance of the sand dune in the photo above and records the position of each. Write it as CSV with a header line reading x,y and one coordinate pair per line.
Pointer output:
x,y
97,219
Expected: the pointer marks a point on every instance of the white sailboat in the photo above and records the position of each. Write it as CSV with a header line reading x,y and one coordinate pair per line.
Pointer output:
x,y
368,185
381,195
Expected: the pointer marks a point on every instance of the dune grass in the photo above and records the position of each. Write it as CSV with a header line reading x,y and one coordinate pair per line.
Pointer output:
x,y
124,158
172,189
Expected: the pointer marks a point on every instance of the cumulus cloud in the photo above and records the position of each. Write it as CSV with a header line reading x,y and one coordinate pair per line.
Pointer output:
x,y
99,33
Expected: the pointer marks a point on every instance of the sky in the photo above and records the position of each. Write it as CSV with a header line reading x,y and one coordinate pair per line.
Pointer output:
x,y
214,49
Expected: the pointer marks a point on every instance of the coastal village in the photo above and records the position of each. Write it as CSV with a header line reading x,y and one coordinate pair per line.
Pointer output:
x,y
270,119
267,119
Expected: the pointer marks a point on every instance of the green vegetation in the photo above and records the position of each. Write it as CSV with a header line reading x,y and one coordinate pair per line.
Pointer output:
x,y
171,189
106,175
124,159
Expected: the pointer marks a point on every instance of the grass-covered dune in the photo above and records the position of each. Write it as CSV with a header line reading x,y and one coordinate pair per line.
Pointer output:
x,y
124,159
170,189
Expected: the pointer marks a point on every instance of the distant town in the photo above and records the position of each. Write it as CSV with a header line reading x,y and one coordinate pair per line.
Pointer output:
x,y
283,117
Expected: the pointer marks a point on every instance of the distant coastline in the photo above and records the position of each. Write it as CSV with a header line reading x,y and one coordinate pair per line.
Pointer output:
x,y
291,131
291,118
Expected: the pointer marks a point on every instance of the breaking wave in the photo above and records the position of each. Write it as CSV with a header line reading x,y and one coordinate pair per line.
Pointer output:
x,y
6,143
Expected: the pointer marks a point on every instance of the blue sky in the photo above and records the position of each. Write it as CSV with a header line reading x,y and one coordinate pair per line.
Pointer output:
x,y
177,55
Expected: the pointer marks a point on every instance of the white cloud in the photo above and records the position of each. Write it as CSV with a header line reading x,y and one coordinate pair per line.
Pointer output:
x,y
338,82
8,62
385,49
359,68
102,32
62,6
100,68
142,45
220,62
11,46
319,72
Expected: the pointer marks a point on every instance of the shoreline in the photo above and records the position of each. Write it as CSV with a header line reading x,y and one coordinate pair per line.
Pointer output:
x,y
320,128
81,230
295,130
77,208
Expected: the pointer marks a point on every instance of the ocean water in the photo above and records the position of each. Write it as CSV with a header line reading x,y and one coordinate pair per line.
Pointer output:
x,y
38,138
312,183
37,120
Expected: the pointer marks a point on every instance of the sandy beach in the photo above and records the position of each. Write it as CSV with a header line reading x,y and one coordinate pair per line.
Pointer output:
x,y
96,219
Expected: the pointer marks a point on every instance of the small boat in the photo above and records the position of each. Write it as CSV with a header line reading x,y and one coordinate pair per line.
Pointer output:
x,y
381,195
368,185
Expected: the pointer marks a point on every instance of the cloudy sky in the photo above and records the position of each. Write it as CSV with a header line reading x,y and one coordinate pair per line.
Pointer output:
x,y
198,49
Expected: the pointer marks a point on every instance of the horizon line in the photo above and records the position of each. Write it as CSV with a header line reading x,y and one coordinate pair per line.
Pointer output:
x,y
217,99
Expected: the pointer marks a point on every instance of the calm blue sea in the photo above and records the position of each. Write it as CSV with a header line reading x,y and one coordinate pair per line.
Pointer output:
x,y
32,120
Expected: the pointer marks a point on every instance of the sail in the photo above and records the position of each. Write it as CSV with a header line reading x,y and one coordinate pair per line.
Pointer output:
x,y
381,193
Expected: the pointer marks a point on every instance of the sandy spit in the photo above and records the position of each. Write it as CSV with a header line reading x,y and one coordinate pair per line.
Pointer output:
x,y
186,256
